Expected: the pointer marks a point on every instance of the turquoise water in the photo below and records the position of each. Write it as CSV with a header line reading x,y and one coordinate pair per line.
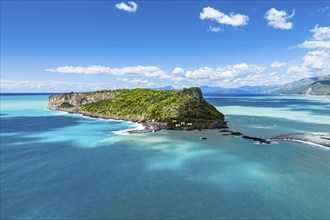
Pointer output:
x,y
62,166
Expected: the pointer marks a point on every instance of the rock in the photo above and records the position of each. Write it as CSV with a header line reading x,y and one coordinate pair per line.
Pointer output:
x,y
236,133
222,126
260,140
225,130
78,99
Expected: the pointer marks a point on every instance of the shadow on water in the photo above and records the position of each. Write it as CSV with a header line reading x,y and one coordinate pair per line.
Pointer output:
x,y
271,125
325,111
60,180
36,124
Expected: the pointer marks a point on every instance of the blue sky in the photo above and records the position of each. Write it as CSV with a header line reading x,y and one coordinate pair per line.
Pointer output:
x,y
88,45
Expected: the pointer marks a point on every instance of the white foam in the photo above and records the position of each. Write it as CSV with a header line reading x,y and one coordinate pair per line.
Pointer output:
x,y
309,143
137,126
263,126
61,113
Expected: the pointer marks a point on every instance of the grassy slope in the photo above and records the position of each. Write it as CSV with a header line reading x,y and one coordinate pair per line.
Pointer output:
x,y
158,105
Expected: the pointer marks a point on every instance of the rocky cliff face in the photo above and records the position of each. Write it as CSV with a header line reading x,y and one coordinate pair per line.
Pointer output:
x,y
78,99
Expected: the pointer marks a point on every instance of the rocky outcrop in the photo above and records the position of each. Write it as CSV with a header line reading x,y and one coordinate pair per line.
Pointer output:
x,y
240,134
184,109
78,99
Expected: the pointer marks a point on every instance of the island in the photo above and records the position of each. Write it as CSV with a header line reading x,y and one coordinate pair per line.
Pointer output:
x,y
184,109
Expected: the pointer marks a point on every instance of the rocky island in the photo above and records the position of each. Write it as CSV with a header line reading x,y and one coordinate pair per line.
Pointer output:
x,y
184,109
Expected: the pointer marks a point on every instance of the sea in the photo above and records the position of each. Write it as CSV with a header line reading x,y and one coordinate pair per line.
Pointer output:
x,y
56,165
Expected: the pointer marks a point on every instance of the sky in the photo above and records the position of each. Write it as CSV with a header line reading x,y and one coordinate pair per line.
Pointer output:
x,y
63,46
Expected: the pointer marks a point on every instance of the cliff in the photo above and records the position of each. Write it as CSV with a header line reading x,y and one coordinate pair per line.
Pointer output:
x,y
157,109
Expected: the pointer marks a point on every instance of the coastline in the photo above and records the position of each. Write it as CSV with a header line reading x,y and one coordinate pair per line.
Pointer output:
x,y
138,128
317,139
143,126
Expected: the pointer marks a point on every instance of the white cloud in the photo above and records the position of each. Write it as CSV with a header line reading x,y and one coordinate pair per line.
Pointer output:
x,y
123,79
178,71
317,60
229,71
147,71
277,64
203,72
130,6
141,82
214,29
313,44
53,86
278,19
231,19
321,33
315,63
137,81
258,79
239,70
320,39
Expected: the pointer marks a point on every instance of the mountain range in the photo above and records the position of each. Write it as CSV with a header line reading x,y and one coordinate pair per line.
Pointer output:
x,y
307,86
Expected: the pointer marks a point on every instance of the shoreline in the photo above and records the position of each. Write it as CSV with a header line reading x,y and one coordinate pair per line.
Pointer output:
x,y
317,139
139,126
148,126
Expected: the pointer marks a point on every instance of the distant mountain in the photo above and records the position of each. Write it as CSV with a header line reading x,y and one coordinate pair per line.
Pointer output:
x,y
256,89
309,86
220,90
164,88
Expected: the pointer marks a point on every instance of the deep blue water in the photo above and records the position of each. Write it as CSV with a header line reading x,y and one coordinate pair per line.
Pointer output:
x,y
62,166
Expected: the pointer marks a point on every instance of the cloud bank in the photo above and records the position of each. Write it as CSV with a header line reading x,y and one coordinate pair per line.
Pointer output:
x,y
146,71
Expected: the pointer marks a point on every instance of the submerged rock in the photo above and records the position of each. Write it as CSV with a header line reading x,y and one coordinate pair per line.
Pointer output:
x,y
236,133
260,140
225,130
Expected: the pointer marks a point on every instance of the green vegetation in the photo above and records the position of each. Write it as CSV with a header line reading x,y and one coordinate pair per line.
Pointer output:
x,y
170,106
65,105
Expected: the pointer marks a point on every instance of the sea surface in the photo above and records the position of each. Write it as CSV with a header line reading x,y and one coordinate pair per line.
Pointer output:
x,y
65,166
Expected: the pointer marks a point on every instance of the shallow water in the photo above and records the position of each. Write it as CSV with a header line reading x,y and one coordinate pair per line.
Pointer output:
x,y
56,165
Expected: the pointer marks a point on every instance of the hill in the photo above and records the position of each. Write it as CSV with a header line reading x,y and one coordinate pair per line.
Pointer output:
x,y
183,109
308,86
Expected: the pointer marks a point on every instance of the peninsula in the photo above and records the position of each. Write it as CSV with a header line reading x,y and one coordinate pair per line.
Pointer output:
x,y
184,109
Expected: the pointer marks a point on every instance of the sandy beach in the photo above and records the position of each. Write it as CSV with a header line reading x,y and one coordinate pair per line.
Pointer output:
x,y
312,138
